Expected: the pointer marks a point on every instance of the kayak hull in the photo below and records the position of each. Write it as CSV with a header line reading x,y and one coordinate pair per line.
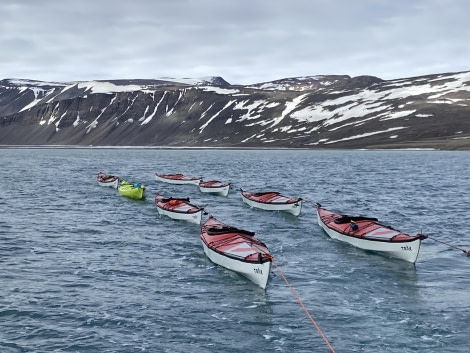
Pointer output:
x,y
214,187
256,273
131,191
371,235
107,180
188,217
178,209
178,179
274,202
237,250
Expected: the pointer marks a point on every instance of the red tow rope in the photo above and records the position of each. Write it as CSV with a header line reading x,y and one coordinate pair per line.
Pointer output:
x,y
303,307
466,252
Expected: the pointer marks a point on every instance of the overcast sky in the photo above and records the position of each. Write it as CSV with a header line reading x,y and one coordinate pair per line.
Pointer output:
x,y
244,41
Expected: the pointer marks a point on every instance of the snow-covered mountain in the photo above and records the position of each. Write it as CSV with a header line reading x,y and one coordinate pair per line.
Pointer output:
x,y
328,111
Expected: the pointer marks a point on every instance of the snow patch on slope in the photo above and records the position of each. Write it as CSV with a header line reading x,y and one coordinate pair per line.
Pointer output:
x,y
219,90
365,135
290,106
201,129
108,87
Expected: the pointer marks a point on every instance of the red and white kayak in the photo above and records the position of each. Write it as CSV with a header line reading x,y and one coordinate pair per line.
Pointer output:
x,y
177,179
214,187
107,180
272,201
178,208
369,234
236,249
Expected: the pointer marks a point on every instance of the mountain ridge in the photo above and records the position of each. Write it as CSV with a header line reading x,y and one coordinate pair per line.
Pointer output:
x,y
321,111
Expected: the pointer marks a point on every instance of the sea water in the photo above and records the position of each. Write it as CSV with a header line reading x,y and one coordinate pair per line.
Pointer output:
x,y
83,269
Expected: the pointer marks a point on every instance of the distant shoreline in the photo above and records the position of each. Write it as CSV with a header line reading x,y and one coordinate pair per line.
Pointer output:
x,y
146,147
390,148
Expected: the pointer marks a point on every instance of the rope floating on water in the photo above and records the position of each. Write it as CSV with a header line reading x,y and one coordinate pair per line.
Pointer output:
x,y
467,252
303,307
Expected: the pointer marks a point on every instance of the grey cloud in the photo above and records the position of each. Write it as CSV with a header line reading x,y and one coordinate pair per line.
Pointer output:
x,y
244,41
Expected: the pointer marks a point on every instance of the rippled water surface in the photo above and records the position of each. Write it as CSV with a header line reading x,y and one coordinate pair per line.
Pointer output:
x,y
83,269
